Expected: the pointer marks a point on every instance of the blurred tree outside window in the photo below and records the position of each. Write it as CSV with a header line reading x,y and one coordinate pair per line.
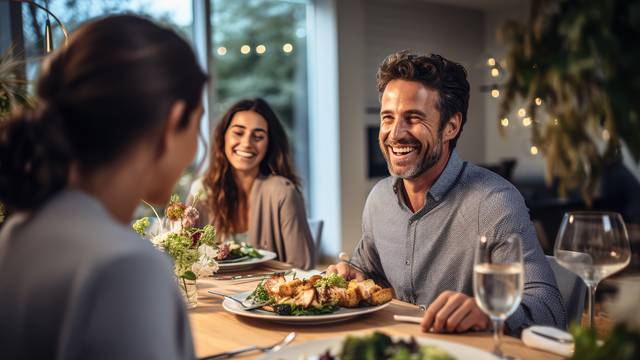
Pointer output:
x,y
259,50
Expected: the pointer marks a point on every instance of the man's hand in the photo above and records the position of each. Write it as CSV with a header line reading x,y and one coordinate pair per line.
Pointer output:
x,y
454,312
346,271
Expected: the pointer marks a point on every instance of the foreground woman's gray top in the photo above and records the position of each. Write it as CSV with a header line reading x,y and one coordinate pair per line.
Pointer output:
x,y
76,284
423,254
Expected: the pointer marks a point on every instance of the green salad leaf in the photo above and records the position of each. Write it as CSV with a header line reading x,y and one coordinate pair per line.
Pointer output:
x,y
260,294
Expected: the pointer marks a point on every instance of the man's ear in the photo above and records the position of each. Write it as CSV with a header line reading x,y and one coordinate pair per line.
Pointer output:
x,y
452,127
171,127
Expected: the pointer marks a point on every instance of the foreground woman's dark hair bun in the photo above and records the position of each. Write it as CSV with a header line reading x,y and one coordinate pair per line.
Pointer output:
x,y
112,84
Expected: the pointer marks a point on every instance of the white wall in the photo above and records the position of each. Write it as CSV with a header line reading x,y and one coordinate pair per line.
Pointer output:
x,y
370,30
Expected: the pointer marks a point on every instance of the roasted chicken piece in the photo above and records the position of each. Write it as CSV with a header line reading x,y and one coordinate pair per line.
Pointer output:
x,y
381,296
305,298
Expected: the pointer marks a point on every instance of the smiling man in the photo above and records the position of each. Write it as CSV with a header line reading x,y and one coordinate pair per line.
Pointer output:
x,y
421,225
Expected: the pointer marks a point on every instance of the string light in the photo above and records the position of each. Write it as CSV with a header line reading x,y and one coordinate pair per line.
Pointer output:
x,y
538,101
491,61
522,112
495,72
222,51
287,48
245,49
534,150
526,121
555,121
504,122
261,49
495,93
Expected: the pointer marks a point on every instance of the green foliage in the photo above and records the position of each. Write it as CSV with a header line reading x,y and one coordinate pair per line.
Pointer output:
x,y
622,344
581,58
141,225
272,75
379,346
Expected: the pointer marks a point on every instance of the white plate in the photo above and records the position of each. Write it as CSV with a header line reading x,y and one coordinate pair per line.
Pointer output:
x,y
248,263
341,314
311,350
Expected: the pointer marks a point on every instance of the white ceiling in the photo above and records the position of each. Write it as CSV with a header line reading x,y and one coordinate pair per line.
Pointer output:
x,y
482,4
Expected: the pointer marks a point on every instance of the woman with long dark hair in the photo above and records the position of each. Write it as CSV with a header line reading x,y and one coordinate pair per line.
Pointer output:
x,y
116,122
250,191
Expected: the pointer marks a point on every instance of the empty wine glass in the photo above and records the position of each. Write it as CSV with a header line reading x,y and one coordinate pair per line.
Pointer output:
x,y
498,281
593,245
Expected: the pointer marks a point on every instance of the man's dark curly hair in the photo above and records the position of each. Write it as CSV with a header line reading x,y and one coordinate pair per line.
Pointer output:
x,y
447,77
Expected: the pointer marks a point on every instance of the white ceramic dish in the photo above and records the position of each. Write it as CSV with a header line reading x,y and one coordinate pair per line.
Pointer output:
x,y
341,314
311,350
248,263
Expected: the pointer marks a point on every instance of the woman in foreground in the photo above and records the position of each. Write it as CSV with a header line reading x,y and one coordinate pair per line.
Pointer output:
x,y
116,122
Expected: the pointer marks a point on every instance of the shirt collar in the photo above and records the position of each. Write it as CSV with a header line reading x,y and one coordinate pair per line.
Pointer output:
x,y
447,179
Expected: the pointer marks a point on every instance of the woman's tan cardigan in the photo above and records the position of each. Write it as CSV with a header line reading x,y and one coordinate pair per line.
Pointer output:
x,y
277,219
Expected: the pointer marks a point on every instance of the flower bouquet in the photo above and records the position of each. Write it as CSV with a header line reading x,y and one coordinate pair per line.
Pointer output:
x,y
193,249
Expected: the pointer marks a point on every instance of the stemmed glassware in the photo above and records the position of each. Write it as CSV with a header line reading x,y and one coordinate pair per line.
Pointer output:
x,y
498,281
593,245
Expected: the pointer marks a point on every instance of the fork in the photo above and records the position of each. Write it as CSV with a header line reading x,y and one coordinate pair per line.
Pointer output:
x,y
268,349
247,305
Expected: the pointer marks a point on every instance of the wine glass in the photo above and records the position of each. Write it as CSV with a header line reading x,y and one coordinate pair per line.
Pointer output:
x,y
498,281
593,245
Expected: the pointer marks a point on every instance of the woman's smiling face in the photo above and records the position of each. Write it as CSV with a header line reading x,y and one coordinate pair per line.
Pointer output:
x,y
246,141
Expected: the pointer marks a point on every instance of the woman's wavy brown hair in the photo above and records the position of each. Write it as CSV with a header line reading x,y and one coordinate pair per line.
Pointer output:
x,y
223,196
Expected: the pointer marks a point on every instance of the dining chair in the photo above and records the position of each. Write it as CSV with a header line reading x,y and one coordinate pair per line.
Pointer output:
x,y
316,233
572,289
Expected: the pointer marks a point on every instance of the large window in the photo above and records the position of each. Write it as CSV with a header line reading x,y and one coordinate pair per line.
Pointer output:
x,y
177,14
259,50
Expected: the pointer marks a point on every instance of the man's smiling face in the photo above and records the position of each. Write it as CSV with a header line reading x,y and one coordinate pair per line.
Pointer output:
x,y
410,134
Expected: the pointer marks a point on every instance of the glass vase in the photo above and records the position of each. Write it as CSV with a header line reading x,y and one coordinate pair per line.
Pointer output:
x,y
189,291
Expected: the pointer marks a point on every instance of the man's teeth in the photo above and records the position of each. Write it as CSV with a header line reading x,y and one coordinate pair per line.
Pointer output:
x,y
245,154
402,150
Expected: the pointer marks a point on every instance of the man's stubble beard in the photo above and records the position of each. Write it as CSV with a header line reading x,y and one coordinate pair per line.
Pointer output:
x,y
429,159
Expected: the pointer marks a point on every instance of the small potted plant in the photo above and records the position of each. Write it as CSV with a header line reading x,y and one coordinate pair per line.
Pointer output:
x,y
193,249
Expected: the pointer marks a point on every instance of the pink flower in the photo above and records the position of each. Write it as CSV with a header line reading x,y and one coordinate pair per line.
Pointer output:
x,y
189,217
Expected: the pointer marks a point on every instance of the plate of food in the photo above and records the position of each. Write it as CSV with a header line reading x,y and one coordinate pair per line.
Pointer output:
x,y
379,346
310,301
236,257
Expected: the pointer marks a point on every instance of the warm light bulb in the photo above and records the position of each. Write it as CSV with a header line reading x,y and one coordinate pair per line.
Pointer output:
x,y
605,135
504,122
491,61
245,49
495,93
522,112
534,150
526,121
261,49
495,72
222,51
555,121
287,48
538,101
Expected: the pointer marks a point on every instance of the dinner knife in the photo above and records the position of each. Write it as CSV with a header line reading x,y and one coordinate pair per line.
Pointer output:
x,y
250,276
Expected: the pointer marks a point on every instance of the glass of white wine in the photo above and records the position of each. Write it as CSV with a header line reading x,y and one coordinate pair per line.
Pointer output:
x,y
498,281
593,245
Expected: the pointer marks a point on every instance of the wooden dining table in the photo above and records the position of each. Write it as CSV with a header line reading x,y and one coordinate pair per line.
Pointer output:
x,y
216,330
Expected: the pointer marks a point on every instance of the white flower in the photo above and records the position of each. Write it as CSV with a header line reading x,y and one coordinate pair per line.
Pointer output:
x,y
233,245
208,251
159,240
204,266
